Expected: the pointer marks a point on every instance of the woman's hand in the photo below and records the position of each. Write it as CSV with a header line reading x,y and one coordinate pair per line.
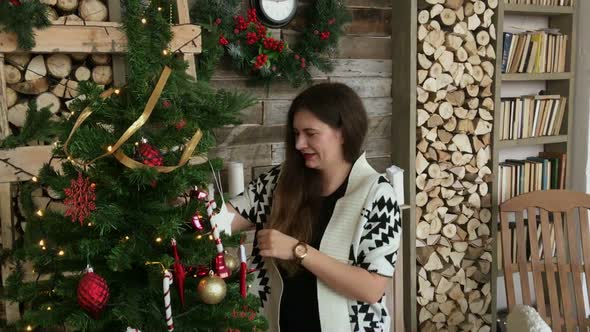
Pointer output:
x,y
273,243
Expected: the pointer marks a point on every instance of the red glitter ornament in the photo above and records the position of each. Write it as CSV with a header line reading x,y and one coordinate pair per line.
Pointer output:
x,y
149,155
93,293
80,199
197,221
179,272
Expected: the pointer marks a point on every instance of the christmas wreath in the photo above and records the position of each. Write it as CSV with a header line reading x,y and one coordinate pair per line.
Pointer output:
x,y
21,18
256,52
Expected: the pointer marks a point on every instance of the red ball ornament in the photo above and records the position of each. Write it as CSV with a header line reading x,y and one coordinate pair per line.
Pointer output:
x,y
166,103
93,293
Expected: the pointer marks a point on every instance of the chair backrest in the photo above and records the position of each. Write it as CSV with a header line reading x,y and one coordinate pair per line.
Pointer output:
x,y
553,245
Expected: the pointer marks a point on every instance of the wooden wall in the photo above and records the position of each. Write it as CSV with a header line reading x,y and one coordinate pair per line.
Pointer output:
x,y
363,62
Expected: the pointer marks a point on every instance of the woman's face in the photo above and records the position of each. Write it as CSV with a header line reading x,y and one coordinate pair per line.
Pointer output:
x,y
319,144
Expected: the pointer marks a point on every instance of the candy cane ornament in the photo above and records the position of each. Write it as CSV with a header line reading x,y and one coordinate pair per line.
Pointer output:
x,y
220,268
167,305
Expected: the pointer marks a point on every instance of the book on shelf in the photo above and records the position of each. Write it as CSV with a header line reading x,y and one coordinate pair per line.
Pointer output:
x,y
539,51
531,116
543,172
541,2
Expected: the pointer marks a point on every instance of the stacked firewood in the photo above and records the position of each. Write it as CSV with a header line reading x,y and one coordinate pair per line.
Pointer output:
x,y
455,105
51,79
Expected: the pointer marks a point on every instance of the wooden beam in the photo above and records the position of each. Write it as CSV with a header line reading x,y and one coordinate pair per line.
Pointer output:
x,y
119,68
29,158
4,127
101,37
184,18
404,24
12,310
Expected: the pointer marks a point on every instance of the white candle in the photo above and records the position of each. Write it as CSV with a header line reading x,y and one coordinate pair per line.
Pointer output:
x,y
235,178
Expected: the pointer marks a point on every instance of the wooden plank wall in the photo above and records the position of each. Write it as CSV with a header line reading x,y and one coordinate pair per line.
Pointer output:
x,y
363,62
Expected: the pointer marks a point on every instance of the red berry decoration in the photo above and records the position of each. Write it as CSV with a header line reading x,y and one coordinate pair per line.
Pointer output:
x,y
180,124
166,103
15,3
223,41
218,21
149,155
93,293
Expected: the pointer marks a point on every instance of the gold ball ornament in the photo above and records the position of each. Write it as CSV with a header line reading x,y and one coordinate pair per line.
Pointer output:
x,y
212,289
232,262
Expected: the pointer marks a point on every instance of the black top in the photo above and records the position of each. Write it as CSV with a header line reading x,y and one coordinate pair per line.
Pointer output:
x,y
299,302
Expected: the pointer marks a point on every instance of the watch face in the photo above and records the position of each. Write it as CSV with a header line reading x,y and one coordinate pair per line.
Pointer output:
x,y
300,250
278,11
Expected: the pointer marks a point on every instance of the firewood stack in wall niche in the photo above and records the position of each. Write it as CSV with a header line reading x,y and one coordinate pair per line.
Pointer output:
x,y
456,63
52,80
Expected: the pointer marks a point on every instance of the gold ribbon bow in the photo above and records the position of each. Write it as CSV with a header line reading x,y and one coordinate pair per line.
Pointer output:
x,y
143,118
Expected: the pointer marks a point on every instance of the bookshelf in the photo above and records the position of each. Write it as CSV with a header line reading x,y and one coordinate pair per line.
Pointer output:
x,y
563,18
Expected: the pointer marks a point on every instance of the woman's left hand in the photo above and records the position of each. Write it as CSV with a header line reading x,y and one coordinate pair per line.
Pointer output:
x,y
273,243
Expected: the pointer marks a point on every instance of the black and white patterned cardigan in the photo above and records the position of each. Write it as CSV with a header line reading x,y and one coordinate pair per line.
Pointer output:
x,y
364,231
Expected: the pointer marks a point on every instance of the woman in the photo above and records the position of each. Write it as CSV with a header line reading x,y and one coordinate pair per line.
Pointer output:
x,y
328,225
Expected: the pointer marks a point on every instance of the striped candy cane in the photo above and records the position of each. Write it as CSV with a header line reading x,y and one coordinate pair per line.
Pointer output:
x,y
220,268
167,305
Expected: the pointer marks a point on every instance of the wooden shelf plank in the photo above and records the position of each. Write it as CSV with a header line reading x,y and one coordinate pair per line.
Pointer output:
x,y
532,141
537,76
97,37
534,10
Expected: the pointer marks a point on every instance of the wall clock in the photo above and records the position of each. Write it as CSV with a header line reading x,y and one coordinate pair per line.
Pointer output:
x,y
275,13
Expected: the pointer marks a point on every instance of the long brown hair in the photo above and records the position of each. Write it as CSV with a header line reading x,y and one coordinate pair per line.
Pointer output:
x,y
297,198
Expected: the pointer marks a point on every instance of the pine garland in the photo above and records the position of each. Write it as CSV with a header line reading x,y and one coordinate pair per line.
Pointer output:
x,y
21,18
256,53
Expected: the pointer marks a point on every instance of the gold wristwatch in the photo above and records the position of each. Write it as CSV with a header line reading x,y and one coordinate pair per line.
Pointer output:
x,y
300,251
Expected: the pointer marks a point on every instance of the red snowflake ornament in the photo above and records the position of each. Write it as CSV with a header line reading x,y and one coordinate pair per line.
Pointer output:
x,y
80,199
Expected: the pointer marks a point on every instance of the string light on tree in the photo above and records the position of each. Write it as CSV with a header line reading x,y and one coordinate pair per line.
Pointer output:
x,y
40,213
34,179
143,20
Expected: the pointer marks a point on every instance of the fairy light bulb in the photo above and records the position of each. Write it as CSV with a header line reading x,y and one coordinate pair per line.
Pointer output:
x,y
61,253
49,308
165,52
117,91
40,213
158,239
29,328
34,179
159,9
89,224
42,243
110,148
210,237
199,237
143,20
127,238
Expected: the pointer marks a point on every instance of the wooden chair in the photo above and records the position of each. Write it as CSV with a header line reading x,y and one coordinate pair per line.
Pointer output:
x,y
553,221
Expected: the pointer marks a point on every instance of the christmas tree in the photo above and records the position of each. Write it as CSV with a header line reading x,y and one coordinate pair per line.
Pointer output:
x,y
127,213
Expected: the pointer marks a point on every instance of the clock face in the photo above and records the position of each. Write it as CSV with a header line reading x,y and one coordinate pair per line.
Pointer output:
x,y
278,12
